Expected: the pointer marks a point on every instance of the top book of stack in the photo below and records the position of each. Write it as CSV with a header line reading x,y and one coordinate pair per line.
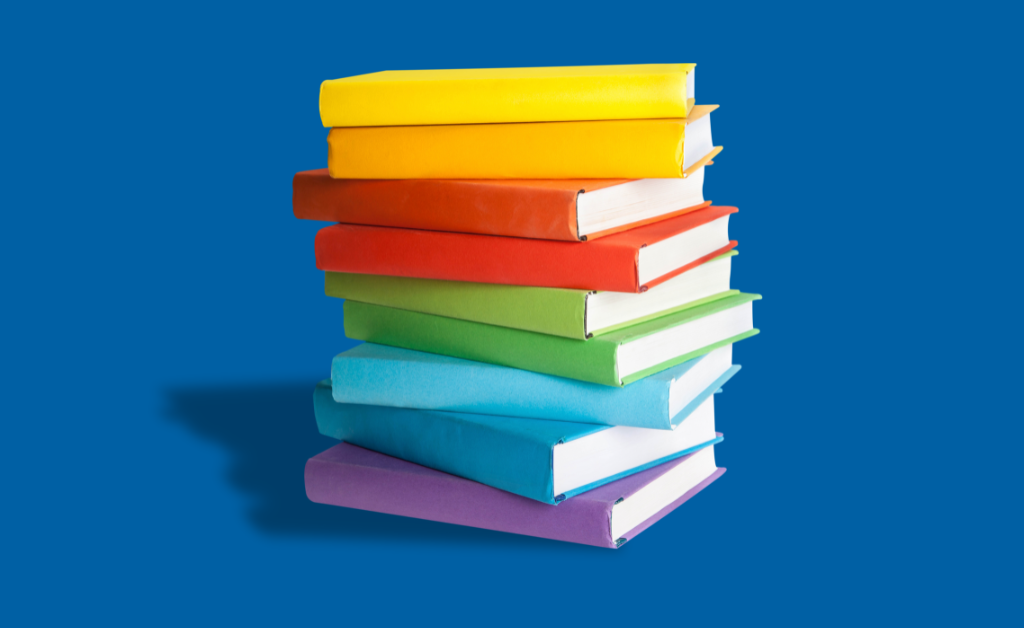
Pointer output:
x,y
484,96
599,122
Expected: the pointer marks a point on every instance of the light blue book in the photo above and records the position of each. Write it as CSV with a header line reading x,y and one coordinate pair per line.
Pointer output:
x,y
548,461
380,375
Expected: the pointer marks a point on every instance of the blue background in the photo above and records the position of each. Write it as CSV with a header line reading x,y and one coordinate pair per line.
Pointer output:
x,y
164,325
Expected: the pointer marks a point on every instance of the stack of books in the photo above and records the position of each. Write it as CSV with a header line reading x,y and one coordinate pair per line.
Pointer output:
x,y
543,292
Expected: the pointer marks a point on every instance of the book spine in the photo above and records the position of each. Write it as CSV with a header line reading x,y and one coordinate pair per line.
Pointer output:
x,y
543,310
421,102
631,149
438,497
483,259
386,376
590,361
442,441
523,211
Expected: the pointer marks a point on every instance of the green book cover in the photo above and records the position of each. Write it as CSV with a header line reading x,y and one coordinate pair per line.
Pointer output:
x,y
554,311
591,360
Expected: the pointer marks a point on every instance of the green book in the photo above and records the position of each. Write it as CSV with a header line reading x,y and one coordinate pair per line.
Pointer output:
x,y
570,313
613,359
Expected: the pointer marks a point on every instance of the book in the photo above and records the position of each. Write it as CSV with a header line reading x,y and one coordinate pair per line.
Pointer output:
x,y
549,461
416,97
608,516
549,209
564,312
664,148
631,261
612,359
379,375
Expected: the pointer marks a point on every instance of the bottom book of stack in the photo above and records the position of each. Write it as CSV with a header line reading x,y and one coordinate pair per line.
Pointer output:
x,y
606,516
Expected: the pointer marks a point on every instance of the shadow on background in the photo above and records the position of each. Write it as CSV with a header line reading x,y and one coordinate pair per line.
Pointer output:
x,y
270,432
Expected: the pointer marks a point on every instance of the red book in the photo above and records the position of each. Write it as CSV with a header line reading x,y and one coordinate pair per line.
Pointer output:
x,y
630,261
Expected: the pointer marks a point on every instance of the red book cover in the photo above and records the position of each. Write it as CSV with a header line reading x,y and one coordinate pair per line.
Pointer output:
x,y
610,263
540,208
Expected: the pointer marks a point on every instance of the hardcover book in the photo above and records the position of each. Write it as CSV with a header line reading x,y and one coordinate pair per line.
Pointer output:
x,y
549,209
631,261
548,461
378,375
608,516
663,148
599,92
564,312
612,359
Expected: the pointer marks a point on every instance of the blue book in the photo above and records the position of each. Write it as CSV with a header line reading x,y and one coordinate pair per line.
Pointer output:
x,y
548,461
380,375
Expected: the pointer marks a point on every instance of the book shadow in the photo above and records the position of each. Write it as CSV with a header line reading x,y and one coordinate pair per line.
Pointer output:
x,y
270,432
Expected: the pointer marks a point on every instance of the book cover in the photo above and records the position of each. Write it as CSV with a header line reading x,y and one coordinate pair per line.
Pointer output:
x,y
523,208
602,149
593,360
427,97
353,477
379,375
512,454
555,311
611,263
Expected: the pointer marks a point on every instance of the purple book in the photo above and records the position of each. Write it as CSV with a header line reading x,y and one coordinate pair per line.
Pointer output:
x,y
607,516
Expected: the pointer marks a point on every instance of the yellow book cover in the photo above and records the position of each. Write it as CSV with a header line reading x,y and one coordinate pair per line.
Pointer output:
x,y
420,97
603,149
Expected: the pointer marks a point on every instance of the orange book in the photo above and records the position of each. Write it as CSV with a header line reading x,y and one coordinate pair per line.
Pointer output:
x,y
547,209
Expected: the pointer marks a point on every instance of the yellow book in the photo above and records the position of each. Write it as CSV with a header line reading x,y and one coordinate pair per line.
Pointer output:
x,y
603,149
419,97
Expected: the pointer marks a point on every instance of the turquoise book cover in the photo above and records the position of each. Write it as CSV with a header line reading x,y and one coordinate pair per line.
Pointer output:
x,y
381,375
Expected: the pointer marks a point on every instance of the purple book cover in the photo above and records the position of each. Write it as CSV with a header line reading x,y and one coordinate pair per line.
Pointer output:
x,y
350,476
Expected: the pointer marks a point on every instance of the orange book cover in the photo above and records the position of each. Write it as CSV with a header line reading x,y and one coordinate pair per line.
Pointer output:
x,y
610,263
524,208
